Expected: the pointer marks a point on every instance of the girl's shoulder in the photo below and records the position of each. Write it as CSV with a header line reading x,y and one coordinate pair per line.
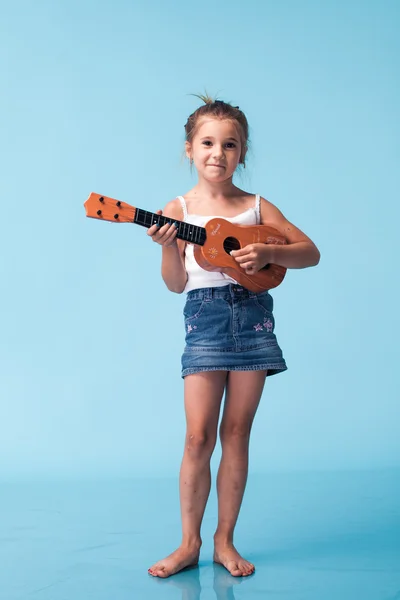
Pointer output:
x,y
174,209
267,208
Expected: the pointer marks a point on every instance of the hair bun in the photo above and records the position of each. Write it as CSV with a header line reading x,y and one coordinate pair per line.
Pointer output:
x,y
206,98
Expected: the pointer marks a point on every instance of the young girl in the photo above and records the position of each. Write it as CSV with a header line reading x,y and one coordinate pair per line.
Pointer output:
x,y
231,346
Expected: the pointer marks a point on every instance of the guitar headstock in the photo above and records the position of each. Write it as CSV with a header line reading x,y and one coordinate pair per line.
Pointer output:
x,y
109,209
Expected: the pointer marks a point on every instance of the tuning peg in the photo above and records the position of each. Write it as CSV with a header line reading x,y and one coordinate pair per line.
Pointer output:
x,y
101,199
99,212
118,203
116,216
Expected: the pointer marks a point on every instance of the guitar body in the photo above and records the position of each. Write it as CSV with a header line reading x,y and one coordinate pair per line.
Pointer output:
x,y
223,236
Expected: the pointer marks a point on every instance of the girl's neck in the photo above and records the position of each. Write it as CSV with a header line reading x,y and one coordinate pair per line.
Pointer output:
x,y
215,191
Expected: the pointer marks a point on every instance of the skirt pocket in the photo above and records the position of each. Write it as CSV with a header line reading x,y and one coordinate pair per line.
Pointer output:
x,y
265,302
193,309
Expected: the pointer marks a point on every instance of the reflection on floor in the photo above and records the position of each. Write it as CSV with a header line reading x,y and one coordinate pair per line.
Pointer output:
x,y
322,536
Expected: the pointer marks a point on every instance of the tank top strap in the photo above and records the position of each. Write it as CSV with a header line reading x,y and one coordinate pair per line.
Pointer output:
x,y
184,208
257,208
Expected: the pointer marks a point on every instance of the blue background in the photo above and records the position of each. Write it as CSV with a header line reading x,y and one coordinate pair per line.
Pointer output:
x,y
94,98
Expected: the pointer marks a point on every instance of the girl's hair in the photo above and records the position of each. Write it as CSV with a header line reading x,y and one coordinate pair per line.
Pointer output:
x,y
219,110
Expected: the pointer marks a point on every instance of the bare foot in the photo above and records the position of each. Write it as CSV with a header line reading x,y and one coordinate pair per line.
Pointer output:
x,y
226,555
175,562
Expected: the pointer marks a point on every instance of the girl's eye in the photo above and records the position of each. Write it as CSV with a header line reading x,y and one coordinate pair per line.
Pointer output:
x,y
227,145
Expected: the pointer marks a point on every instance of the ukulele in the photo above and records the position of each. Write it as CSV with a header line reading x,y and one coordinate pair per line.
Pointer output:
x,y
212,243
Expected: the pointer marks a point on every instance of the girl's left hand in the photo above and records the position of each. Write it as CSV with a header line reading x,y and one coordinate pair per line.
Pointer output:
x,y
253,257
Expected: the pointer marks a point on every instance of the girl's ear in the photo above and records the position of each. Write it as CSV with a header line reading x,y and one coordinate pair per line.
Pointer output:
x,y
243,155
188,150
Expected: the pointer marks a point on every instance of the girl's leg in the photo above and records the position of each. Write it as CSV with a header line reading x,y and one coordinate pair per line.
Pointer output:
x,y
203,395
244,389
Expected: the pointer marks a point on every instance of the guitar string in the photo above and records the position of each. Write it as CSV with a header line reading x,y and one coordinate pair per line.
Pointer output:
x,y
194,234
200,232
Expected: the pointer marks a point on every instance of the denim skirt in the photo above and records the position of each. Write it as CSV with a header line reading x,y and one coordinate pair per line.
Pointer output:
x,y
230,328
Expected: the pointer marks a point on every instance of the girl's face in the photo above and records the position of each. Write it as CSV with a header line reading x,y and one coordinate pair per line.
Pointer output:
x,y
216,149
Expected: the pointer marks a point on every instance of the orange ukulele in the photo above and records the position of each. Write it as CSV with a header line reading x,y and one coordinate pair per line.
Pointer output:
x,y
212,243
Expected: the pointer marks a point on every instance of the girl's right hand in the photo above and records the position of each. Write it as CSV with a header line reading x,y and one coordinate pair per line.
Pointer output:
x,y
165,235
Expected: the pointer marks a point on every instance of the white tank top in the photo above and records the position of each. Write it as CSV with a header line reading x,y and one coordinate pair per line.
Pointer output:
x,y
198,277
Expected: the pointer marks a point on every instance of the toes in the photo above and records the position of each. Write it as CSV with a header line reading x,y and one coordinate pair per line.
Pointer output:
x,y
234,569
237,567
162,573
157,571
251,569
247,569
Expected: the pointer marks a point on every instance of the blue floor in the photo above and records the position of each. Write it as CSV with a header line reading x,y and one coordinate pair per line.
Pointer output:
x,y
312,536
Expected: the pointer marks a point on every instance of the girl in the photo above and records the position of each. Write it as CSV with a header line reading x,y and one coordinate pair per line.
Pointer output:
x,y
230,342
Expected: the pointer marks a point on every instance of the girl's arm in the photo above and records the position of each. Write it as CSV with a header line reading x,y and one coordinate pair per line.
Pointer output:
x,y
173,258
299,253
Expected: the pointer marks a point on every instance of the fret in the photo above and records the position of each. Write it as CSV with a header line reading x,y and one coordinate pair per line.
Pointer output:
x,y
186,231
180,229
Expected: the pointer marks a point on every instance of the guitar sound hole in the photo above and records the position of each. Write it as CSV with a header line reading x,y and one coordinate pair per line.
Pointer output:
x,y
230,244
266,267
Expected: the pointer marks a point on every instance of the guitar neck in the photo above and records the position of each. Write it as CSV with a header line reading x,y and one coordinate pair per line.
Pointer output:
x,y
186,231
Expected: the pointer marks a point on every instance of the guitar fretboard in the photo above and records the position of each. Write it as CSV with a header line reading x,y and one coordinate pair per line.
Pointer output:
x,y
186,231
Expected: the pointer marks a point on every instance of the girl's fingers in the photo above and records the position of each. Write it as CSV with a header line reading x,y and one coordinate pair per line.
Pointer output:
x,y
164,234
171,229
247,266
165,231
155,231
168,237
171,240
242,259
152,230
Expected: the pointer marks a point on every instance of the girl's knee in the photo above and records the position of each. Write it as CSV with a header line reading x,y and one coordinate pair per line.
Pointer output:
x,y
199,445
235,433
